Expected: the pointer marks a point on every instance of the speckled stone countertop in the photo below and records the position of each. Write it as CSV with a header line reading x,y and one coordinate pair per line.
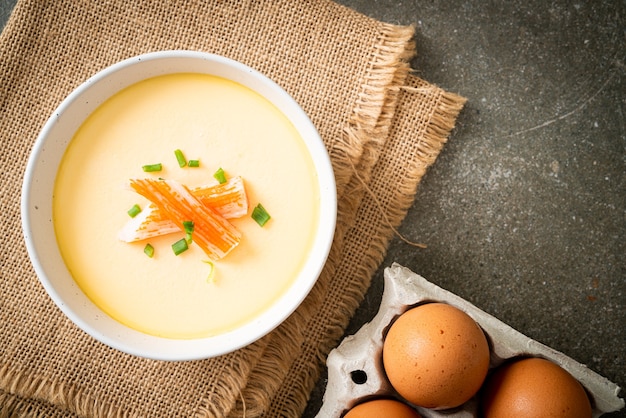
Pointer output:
x,y
524,212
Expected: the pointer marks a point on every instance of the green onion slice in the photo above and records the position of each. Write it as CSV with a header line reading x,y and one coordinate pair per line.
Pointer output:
x,y
193,163
134,211
180,246
220,176
150,168
149,250
188,225
260,215
180,158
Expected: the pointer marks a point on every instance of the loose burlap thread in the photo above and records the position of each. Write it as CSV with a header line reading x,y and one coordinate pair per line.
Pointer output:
x,y
382,126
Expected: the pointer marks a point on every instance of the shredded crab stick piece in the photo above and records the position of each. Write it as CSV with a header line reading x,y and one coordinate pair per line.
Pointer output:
x,y
147,224
228,199
212,232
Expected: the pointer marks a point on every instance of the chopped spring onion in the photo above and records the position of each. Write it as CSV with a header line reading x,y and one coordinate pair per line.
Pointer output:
x,y
149,250
193,163
180,246
260,215
149,168
188,225
220,176
180,158
134,211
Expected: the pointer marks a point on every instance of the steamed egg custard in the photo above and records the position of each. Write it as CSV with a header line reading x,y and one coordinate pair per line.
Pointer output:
x,y
222,124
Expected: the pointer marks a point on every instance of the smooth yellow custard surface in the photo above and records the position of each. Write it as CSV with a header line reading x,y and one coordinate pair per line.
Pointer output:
x,y
223,125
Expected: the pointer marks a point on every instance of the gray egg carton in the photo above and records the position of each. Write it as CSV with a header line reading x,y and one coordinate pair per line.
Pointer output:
x,y
355,370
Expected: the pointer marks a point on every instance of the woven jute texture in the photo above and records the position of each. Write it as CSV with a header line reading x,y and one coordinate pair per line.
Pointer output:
x,y
382,126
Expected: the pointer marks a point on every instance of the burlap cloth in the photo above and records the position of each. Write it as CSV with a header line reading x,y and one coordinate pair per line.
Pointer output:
x,y
381,125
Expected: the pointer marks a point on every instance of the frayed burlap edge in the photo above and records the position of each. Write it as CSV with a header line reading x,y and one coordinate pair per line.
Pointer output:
x,y
221,403
427,149
25,391
366,130
13,406
441,122
26,394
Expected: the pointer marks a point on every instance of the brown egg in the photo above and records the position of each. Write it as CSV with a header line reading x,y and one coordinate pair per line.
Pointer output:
x,y
382,408
533,387
436,356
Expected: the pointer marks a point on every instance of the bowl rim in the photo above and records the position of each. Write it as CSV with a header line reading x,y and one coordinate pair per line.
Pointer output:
x,y
124,338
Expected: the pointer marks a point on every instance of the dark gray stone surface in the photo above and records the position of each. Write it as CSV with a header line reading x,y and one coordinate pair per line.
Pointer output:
x,y
524,212
6,6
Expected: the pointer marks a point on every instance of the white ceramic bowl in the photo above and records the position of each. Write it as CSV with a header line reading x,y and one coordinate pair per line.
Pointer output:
x,y
39,181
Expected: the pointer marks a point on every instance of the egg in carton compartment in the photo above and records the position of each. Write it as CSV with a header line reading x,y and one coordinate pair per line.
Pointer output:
x,y
355,367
